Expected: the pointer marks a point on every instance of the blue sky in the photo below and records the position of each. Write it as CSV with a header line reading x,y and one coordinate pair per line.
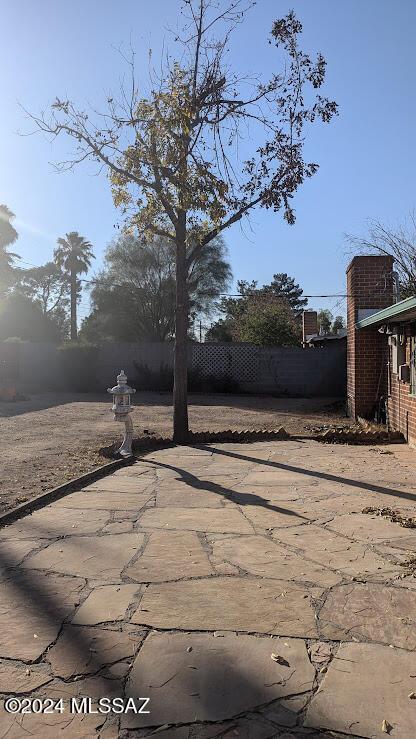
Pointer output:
x,y
367,156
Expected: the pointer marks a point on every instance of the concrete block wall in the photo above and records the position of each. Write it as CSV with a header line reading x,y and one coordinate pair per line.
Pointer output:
x,y
303,372
280,370
116,356
39,368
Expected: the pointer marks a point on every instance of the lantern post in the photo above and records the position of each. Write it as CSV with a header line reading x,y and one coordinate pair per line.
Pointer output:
x,y
122,409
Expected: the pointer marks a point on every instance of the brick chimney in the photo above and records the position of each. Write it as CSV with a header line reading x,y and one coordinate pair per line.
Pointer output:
x,y
369,289
309,324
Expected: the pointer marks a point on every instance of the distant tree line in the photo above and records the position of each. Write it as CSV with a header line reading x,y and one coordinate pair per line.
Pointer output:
x,y
132,297
40,303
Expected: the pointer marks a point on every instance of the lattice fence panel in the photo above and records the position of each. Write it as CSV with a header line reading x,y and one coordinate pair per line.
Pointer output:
x,y
241,362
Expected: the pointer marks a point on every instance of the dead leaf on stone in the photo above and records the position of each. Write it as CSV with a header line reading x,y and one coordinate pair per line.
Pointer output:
x,y
412,695
408,522
386,727
280,660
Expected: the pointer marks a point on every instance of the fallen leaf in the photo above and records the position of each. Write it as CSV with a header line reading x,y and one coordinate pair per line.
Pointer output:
x,y
280,660
386,727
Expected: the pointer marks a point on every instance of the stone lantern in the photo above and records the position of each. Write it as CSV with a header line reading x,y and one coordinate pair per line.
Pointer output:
x,y
122,408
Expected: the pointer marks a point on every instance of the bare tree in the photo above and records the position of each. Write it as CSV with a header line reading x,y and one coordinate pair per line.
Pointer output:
x,y
172,154
400,243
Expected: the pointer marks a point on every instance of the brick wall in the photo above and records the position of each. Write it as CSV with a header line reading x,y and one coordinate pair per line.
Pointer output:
x,y
369,288
402,405
309,324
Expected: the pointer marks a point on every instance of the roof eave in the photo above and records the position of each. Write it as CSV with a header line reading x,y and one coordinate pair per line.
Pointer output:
x,y
405,310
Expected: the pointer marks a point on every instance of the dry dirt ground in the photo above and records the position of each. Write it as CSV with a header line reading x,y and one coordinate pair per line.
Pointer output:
x,y
49,439
253,591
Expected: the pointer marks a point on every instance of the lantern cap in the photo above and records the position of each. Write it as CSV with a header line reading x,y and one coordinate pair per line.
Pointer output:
x,y
121,388
122,378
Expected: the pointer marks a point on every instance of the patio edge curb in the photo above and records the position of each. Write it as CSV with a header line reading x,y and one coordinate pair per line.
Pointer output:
x,y
61,490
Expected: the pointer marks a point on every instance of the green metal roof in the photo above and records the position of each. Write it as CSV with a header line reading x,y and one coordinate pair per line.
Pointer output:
x,y
402,311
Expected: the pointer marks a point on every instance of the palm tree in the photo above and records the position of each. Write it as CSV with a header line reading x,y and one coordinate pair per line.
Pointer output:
x,y
73,256
8,235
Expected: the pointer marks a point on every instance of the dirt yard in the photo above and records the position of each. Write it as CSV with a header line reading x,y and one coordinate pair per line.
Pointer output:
x,y
49,439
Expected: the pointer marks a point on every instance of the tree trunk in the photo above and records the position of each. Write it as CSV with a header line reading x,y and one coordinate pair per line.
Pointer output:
x,y
74,334
180,387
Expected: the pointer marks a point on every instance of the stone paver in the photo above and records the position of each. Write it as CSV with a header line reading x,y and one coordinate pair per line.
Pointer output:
x,y
240,587
268,559
17,678
56,520
231,603
88,556
50,726
198,677
373,529
91,686
182,495
105,499
118,527
83,650
365,686
267,476
12,552
271,516
108,603
372,612
32,609
137,484
170,555
337,552
196,519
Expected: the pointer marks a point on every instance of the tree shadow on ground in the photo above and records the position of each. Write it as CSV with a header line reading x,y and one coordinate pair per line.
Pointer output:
x,y
222,700
368,486
28,589
242,499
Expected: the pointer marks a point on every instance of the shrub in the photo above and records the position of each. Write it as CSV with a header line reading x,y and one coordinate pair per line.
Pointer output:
x,y
148,379
198,382
79,366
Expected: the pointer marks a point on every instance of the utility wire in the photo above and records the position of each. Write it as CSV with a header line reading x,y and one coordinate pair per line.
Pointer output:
x,y
238,295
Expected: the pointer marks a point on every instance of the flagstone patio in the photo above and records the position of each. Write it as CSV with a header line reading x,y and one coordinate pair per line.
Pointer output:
x,y
239,587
